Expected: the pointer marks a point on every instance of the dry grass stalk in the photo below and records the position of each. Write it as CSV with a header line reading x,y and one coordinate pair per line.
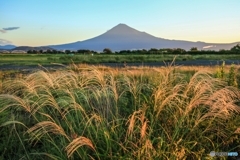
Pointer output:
x,y
131,122
76,143
16,102
143,130
237,131
44,127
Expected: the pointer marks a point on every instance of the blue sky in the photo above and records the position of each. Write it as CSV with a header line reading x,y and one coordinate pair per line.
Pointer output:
x,y
46,22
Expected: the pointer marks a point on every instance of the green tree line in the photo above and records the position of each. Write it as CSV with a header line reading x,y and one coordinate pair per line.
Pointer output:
x,y
177,51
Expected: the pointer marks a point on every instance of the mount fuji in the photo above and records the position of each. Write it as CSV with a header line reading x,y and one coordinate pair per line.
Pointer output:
x,y
123,37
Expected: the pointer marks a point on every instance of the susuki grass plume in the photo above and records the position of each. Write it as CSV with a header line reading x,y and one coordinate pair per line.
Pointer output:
x,y
101,113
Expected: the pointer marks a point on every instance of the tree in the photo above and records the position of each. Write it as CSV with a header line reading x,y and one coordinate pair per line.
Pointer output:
x,y
178,51
236,48
32,51
54,51
67,51
194,49
49,51
107,50
144,51
153,51
84,51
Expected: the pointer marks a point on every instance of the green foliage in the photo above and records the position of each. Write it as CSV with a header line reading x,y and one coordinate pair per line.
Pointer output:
x,y
107,50
83,56
236,48
232,80
220,71
194,49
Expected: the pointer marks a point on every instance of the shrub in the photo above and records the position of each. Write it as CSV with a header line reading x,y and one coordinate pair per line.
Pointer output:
x,y
232,80
220,71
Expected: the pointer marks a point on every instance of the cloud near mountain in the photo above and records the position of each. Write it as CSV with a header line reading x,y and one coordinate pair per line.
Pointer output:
x,y
4,30
10,28
4,42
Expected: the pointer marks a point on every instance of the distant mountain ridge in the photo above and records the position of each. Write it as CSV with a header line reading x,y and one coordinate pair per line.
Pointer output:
x,y
123,37
27,48
7,47
24,48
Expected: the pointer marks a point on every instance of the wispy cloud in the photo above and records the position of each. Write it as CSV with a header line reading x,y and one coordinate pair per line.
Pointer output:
x,y
211,46
10,28
4,42
4,30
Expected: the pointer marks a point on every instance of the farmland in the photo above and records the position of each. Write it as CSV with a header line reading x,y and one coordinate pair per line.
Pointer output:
x,y
46,59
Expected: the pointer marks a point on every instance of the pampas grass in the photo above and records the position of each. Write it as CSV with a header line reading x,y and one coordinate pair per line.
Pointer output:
x,y
131,113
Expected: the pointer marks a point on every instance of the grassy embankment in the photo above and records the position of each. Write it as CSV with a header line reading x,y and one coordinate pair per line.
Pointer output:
x,y
44,59
128,113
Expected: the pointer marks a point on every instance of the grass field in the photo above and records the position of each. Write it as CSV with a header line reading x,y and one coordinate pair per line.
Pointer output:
x,y
43,59
123,113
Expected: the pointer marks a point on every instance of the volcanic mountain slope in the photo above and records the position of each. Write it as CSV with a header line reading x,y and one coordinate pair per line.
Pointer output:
x,y
7,47
27,48
123,37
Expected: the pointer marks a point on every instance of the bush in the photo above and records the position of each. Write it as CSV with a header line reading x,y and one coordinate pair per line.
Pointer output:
x,y
232,80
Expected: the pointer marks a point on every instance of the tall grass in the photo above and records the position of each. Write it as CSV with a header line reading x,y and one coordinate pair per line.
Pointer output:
x,y
101,113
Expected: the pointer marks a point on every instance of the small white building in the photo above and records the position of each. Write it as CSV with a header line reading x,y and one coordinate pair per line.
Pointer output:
x,y
18,51
4,51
